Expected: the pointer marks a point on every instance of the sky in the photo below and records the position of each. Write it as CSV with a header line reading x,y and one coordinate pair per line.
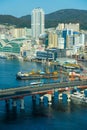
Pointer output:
x,y
20,8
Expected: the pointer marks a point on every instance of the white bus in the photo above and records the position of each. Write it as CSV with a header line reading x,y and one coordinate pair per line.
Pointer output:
x,y
36,83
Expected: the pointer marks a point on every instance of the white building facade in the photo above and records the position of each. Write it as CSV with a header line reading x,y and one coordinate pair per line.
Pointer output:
x,y
37,22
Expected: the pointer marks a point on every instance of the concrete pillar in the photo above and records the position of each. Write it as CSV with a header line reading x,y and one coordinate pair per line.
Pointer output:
x,y
41,98
52,96
33,98
7,102
45,100
22,103
60,96
14,103
37,99
68,95
64,97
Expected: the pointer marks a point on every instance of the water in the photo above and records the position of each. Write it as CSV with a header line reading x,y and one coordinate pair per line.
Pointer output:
x,y
58,116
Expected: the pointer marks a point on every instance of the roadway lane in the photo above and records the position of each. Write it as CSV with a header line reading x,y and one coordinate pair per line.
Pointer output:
x,y
29,90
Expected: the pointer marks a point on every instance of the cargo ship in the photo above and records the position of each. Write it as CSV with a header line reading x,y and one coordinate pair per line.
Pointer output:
x,y
37,75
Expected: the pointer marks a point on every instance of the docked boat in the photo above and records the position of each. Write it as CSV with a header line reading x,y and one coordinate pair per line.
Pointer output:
x,y
3,56
72,68
37,75
78,98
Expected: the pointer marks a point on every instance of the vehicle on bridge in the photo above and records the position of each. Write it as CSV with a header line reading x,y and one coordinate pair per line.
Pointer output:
x,y
37,83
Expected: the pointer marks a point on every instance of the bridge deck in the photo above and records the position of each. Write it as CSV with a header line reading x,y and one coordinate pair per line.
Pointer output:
x,y
19,92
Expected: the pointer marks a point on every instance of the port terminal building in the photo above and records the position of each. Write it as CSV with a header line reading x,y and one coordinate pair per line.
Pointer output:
x,y
51,54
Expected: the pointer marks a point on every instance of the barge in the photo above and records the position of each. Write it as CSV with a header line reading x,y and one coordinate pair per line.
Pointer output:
x,y
41,75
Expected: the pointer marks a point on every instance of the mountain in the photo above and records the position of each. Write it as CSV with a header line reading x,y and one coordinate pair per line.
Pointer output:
x,y
51,20
25,21
4,19
67,16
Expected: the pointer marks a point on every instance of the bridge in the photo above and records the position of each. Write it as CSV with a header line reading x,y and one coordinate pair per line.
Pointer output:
x,y
23,91
18,93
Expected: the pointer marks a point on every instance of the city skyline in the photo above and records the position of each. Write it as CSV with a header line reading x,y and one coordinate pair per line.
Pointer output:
x,y
20,8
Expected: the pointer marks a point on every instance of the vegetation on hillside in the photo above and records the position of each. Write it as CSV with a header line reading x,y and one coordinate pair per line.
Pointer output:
x,y
51,20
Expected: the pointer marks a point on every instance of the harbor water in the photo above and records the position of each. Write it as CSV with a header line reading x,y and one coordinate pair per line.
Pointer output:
x,y
57,116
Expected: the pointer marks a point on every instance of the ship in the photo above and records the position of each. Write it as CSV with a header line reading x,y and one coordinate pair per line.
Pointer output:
x,y
69,67
78,98
36,75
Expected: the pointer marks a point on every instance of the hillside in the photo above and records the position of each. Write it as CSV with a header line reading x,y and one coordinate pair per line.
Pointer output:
x,y
51,20
67,16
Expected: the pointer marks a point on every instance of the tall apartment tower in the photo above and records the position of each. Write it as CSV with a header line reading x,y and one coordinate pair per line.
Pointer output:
x,y
37,22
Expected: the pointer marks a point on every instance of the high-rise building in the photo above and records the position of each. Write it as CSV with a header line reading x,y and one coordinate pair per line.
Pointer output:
x,y
37,22
60,26
73,26
52,39
20,32
66,34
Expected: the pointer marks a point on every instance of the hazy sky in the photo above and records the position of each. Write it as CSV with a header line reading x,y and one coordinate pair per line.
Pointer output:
x,y
20,8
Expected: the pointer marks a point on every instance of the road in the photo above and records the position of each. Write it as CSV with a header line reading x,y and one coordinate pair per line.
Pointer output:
x,y
30,90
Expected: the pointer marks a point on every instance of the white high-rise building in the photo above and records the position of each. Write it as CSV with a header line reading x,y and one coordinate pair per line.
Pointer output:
x,y
37,22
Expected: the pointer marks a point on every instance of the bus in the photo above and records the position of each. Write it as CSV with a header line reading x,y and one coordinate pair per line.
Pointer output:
x,y
36,83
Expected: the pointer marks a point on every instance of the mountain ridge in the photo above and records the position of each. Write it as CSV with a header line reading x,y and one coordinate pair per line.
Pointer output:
x,y
51,20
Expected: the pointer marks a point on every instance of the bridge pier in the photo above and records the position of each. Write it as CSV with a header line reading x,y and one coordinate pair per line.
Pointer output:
x,y
33,98
49,96
45,100
64,97
14,103
36,99
7,102
55,96
22,104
